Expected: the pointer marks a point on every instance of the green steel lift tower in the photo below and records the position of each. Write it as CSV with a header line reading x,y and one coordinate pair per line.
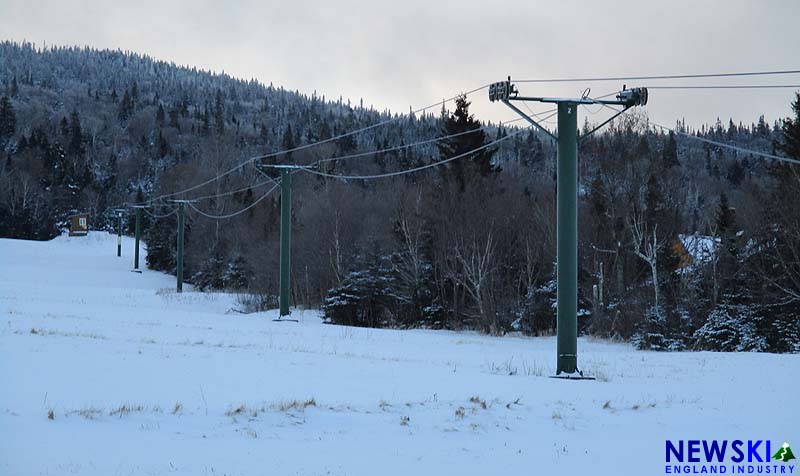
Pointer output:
x,y
567,206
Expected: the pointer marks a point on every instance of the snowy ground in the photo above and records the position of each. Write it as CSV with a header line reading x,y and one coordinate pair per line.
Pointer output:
x,y
142,381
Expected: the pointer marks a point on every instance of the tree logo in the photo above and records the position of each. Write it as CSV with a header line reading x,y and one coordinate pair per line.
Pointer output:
x,y
784,454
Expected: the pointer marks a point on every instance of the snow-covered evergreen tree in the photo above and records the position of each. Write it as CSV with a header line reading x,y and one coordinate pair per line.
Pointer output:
x,y
656,332
731,328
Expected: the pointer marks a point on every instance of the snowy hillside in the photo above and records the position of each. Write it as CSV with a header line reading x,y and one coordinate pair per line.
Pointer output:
x,y
141,381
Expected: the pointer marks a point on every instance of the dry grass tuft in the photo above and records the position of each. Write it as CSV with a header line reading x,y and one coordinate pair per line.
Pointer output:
x,y
236,411
123,410
643,406
476,400
294,405
515,402
90,413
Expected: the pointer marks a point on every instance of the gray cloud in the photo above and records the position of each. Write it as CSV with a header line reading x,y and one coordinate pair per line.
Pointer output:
x,y
410,53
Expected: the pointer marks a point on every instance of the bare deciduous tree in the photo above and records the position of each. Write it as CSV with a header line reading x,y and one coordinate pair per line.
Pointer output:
x,y
477,259
646,246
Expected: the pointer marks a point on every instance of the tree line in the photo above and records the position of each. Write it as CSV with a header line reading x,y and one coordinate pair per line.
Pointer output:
x,y
682,245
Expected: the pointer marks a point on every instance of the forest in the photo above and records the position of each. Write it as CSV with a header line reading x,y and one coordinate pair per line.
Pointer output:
x,y
683,245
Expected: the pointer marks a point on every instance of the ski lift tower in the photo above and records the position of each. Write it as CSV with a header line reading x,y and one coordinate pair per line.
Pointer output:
x,y
567,205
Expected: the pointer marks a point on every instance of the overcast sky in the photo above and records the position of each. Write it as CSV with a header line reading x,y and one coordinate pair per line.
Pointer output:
x,y
404,53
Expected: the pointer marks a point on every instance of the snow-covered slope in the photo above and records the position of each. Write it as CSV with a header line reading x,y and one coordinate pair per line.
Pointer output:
x,y
141,380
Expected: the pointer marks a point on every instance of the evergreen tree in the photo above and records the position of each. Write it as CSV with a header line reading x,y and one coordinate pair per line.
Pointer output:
x,y
657,332
209,274
75,146
288,142
654,202
726,227
237,274
728,283
346,144
775,261
360,300
478,163
532,151
762,128
731,130
160,116
174,113
670,155
125,107
163,146
736,173
790,131
8,119
63,127
134,95
708,164
113,171
324,131
205,128
160,238
731,328
222,272
219,114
